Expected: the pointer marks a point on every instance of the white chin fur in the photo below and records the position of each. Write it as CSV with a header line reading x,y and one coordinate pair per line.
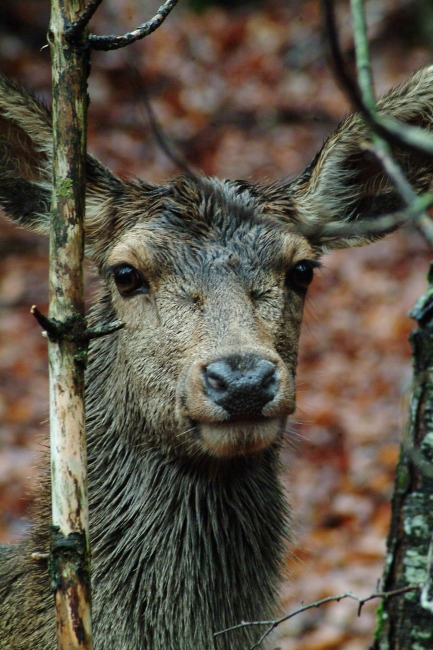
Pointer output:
x,y
226,439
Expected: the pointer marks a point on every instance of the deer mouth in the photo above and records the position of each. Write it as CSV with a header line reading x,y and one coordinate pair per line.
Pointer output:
x,y
238,402
239,436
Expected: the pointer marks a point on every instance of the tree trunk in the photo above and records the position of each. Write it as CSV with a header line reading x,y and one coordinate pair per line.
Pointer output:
x,y
403,624
70,553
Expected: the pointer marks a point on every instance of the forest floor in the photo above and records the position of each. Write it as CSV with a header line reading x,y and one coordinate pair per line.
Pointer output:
x,y
246,93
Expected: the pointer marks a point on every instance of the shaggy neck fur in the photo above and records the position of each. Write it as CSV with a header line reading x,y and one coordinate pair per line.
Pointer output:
x,y
178,557
181,548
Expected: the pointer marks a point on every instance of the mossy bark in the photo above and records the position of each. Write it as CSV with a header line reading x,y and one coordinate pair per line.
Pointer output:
x,y
403,624
70,553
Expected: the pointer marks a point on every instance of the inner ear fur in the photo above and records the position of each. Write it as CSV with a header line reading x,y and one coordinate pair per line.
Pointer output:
x,y
345,183
25,157
26,171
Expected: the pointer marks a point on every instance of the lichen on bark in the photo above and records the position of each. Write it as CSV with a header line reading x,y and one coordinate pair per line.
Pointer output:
x,y
403,624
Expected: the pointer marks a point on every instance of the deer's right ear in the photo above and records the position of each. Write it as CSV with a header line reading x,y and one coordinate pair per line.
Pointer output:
x,y
25,158
26,168
345,189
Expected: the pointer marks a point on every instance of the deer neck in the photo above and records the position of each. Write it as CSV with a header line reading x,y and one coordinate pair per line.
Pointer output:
x,y
185,550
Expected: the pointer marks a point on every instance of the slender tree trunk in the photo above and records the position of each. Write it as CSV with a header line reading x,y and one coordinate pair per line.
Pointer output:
x,y
70,554
403,623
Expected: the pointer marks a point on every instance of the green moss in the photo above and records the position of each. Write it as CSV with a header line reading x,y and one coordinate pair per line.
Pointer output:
x,y
402,476
65,188
381,617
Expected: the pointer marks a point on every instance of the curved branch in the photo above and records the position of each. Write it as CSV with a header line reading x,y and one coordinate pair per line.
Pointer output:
x,y
385,130
112,42
388,128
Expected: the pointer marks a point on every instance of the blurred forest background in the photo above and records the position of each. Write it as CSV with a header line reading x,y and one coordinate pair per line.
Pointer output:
x,y
243,90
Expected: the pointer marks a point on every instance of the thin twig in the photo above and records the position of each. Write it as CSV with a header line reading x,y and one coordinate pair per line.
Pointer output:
x,y
390,129
422,221
38,556
424,225
410,136
98,332
113,42
381,146
158,132
49,325
337,61
369,227
348,594
73,329
364,100
363,62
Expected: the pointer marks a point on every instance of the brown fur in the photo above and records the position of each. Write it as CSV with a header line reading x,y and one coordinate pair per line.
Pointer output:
x,y
188,519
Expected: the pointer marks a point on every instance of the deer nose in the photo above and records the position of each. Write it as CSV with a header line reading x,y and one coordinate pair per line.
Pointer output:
x,y
242,385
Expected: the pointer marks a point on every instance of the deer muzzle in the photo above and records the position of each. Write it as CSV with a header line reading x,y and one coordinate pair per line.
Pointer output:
x,y
238,400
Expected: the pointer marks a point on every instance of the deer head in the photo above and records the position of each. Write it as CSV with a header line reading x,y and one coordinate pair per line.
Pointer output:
x,y
209,276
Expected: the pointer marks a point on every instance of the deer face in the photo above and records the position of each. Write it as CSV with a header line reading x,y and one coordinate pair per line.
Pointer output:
x,y
211,292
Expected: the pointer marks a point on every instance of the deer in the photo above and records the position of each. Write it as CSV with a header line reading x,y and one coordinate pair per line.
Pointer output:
x,y
187,404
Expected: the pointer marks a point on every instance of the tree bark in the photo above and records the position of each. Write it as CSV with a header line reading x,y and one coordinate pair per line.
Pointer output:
x,y
70,553
403,624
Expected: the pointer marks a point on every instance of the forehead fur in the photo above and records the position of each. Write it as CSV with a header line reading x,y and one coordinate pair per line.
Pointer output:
x,y
200,205
204,205
201,220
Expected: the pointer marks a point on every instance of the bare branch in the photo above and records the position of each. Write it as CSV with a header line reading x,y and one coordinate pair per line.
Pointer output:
x,y
363,98
40,557
363,62
349,85
424,225
421,220
390,129
99,332
387,222
73,328
411,136
113,42
271,625
158,132
77,27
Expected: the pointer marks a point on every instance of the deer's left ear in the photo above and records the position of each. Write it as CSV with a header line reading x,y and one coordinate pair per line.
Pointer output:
x,y
26,147
346,184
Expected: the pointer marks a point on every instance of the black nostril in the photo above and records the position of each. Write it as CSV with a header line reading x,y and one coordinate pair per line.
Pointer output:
x,y
268,376
214,380
241,384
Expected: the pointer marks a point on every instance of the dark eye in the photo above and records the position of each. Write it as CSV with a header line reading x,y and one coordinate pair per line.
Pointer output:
x,y
129,281
302,273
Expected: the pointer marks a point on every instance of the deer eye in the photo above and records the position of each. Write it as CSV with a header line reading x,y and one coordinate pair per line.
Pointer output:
x,y
302,273
129,281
